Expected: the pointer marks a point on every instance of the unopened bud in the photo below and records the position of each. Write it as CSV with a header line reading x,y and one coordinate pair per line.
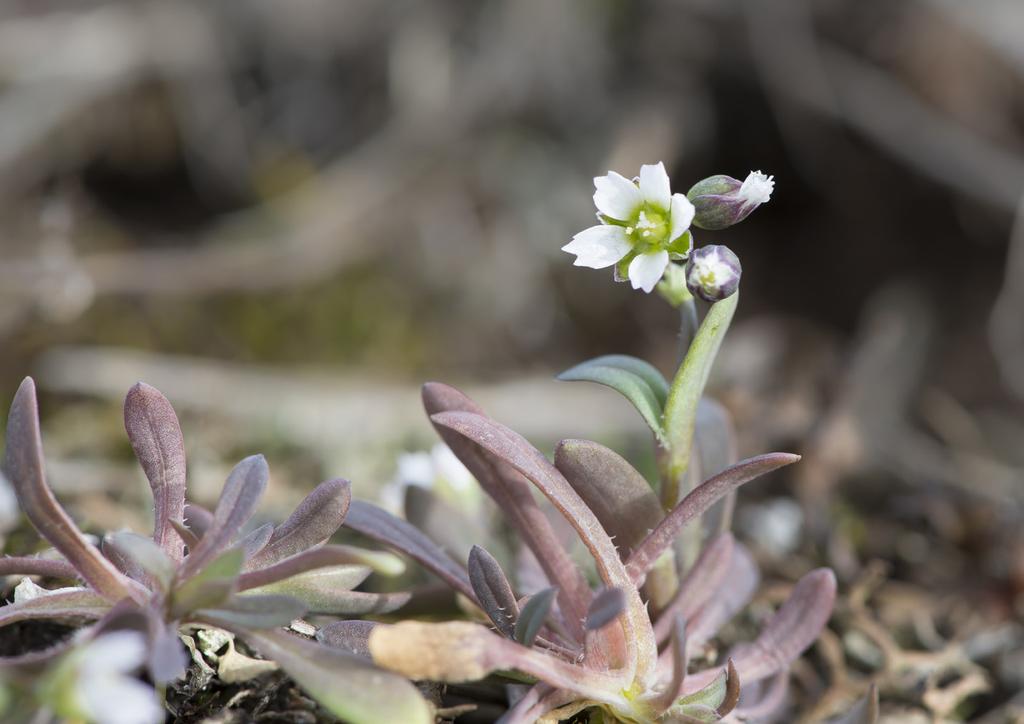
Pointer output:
x,y
713,273
721,201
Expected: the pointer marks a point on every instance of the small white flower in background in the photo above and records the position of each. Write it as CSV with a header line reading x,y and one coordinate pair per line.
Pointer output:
x,y
94,683
438,470
9,510
643,226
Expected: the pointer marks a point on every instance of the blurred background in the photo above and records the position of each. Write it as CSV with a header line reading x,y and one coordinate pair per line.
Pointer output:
x,y
287,215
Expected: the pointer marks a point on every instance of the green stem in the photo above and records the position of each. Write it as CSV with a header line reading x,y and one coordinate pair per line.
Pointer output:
x,y
679,418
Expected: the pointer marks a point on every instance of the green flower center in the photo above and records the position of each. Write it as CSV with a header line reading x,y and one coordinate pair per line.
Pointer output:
x,y
650,228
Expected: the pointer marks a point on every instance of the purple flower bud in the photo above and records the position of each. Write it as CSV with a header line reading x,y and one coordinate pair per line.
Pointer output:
x,y
721,201
713,273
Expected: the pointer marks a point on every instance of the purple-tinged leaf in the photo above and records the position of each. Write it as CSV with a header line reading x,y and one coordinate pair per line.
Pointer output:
x,y
619,496
185,534
198,519
533,615
541,699
636,380
75,604
326,591
210,587
637,639
323,557
313,522
459,651
679,659
255,540
167,659
697,502
513,494
607,606
32,566
738,586
144,555
237,503
864,711
772,697
349,636
700,584
345,685
493,591
23,466
380,525
253,611
793,628
155,435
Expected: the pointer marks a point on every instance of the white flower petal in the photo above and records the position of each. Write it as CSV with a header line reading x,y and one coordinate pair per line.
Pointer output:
x,y
599,246
112,699
415,468
682,215
450,469
117,651
757,188
654,185
646,270
616,197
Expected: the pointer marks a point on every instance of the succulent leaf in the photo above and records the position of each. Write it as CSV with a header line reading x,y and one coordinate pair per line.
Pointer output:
x,y
315,520
533,615
493,591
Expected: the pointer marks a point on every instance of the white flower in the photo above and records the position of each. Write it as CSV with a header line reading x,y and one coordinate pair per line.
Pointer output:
x,y
757,188
94,682
438,470
643,226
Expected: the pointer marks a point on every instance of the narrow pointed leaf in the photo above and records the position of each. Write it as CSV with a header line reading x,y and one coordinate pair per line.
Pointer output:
x,y
680,414
607,606
738,586
68,605
198,519
345,685
637,640
144,554
323,557
680,660
700,584
634,379
155,435
32,566
793,628
513,494
209,588
380,525
313,522
533,615
256,540
190,539
349,636
23,466
326,591
619,496
237,502
254,611
493,591
697,502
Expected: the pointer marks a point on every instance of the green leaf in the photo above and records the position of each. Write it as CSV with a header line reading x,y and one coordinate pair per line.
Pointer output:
x,y
146,554
213,585
327,590
255,611
687,387
638,381
533,615
347,686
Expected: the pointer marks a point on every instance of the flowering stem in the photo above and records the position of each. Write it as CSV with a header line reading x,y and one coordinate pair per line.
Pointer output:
x,y
687,387
688,325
